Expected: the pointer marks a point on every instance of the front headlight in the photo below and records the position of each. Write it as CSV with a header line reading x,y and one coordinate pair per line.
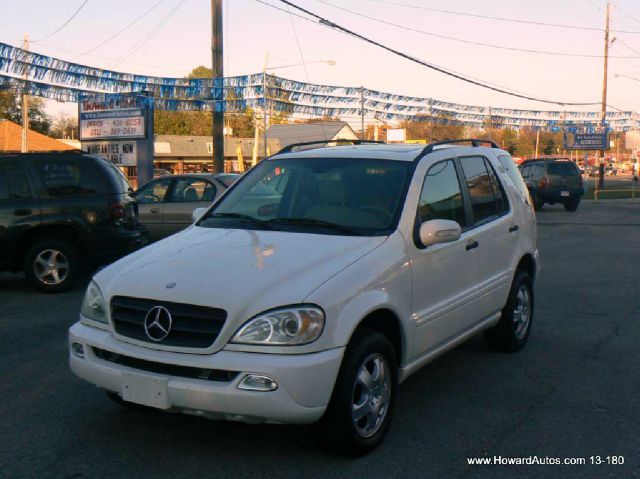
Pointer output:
x,y
93,304
290,326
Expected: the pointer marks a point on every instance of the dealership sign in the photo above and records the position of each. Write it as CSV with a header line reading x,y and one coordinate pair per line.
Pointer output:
x,y
122,119
594,139
119,128
120,153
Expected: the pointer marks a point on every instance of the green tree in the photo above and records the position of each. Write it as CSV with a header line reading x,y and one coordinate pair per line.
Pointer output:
x,y
200,123
11,109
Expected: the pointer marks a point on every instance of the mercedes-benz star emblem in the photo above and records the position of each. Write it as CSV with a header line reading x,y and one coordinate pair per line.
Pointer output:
x,y
157,323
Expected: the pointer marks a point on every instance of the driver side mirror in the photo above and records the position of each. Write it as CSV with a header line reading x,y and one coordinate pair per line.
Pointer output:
x,y
439,231
198,213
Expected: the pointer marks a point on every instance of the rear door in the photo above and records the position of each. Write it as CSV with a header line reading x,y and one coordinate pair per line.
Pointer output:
x,y
186,195
493,236
151,199
19,210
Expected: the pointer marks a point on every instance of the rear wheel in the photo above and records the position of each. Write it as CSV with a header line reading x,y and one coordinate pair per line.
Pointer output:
x,y
359,414
572,204
537,203
53,265
512,332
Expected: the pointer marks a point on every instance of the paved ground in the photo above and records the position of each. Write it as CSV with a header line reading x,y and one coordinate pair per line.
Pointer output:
x,y
573,392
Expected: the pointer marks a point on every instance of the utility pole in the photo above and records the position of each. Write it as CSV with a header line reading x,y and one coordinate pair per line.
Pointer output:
x,y
603,120
537,142
362,112
25,100
217,63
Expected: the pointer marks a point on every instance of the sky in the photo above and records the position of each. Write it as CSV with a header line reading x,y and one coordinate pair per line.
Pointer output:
x,y
255,33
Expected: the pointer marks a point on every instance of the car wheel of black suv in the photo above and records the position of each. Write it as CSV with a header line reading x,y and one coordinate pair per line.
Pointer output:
x,y
572,205
359,414
537,203
512,331
53,265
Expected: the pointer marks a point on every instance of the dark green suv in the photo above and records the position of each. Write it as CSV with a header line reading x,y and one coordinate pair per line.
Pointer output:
x,y
553,180
61,213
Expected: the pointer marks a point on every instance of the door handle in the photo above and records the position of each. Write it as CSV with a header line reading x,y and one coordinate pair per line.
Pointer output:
x,y
22,212
472,245
513,228
154,210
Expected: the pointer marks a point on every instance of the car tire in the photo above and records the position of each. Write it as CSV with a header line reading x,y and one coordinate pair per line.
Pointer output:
x,y
571,205
340,430
537,203
512,331
53,265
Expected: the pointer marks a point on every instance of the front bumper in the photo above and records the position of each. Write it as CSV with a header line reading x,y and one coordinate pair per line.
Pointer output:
x,y
305,381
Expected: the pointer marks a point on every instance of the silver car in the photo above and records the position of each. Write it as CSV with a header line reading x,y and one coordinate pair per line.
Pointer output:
x,y
165,204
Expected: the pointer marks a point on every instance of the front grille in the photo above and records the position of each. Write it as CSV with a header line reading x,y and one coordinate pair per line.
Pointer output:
x,y
192,326
168,369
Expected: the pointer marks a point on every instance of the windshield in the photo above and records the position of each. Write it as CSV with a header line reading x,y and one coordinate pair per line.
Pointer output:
x,y
321,195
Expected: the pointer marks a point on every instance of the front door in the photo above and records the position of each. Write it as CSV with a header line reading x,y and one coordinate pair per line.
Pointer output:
x,y
186,195
151,199
443,274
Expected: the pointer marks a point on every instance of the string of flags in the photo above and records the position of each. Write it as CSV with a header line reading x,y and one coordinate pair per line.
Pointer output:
x,y
52,78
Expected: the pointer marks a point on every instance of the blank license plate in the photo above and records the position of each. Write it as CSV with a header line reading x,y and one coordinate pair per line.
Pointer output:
x,y
564,193
146,390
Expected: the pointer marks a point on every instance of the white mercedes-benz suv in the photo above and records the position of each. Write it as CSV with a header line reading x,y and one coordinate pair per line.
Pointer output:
x,y
315,285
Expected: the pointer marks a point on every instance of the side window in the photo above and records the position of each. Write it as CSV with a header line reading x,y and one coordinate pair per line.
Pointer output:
x,y
502,203
481,188
192,189
70,176
13,184
525,171
441,197
154,191
515,176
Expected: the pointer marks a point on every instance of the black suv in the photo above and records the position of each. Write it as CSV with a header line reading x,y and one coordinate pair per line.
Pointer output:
x,y
61,213
553,180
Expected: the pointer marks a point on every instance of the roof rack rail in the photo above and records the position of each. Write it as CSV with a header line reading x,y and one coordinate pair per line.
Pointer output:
x,y
475,142
290,148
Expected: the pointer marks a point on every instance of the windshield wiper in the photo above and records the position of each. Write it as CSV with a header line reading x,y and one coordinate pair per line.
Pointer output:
x,y
316,223
240,216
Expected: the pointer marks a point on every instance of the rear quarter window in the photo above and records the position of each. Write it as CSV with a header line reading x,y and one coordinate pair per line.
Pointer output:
x,y
63,177
562,169
514,175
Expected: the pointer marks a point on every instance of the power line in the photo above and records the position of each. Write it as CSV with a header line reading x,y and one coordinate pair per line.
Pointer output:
x,y
328,23
470,42
121,31
498,18
150,33
64,24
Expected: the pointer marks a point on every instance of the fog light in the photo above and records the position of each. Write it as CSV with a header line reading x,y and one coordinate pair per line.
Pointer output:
x,y
77,349
257,382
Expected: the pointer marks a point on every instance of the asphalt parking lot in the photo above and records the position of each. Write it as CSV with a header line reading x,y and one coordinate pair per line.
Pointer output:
x,y
573,392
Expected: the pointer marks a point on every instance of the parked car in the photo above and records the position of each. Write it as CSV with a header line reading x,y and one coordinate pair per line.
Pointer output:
x,y
166,203
61,213
553,181
366,263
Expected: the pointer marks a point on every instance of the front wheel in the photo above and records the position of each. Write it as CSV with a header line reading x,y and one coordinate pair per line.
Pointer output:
x,y
537,203
512,331
359,414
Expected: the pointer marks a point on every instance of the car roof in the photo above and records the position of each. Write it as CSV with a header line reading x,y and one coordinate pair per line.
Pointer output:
x,y
209,176
398,152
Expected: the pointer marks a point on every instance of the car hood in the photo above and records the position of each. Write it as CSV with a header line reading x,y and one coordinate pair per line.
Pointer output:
x,y
242,271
